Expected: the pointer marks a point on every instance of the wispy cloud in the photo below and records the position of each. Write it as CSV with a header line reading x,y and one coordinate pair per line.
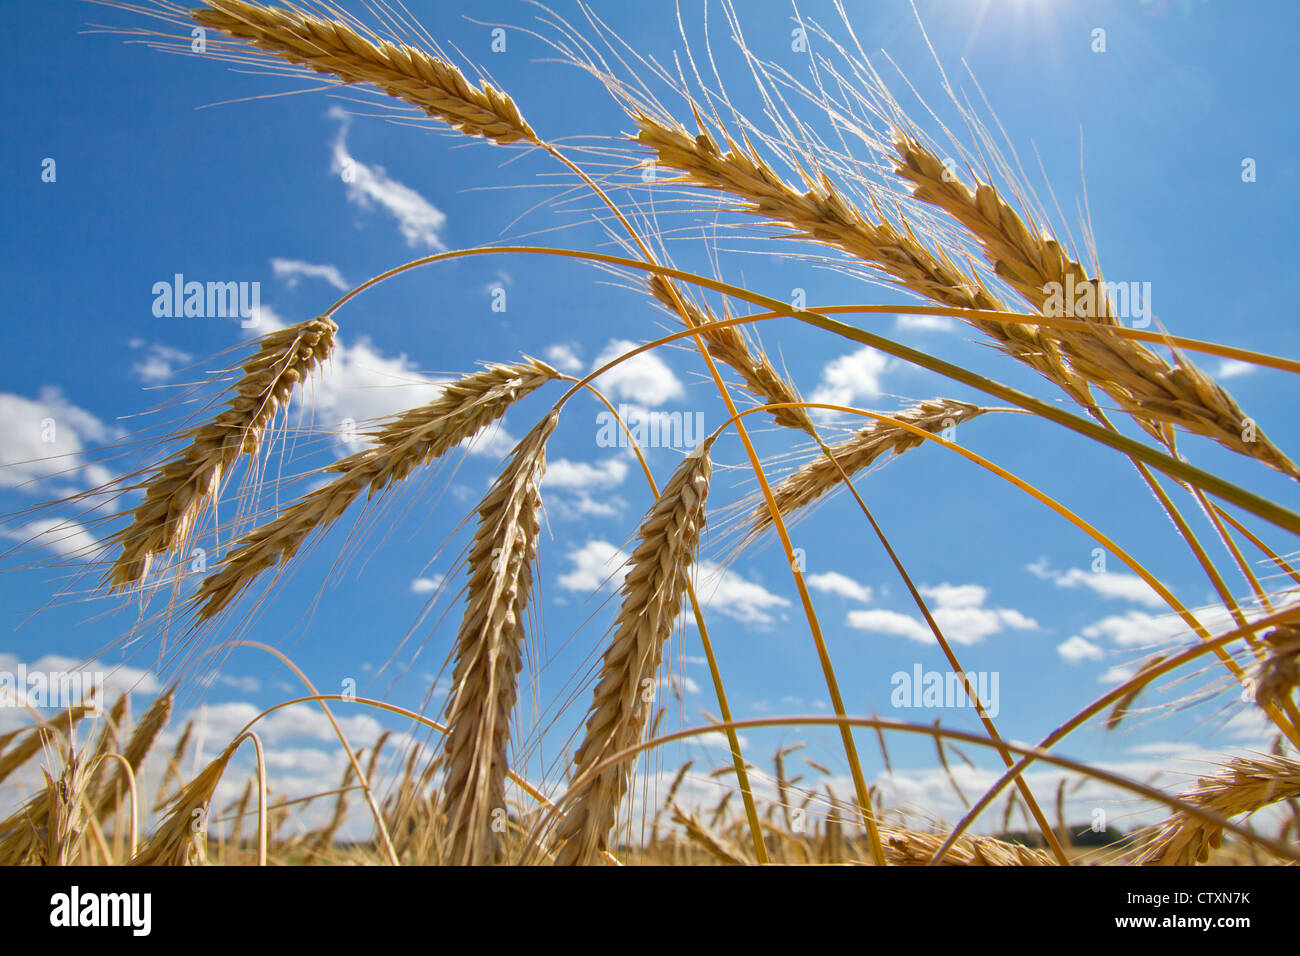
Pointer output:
x,y
291,270
420,221
1110,584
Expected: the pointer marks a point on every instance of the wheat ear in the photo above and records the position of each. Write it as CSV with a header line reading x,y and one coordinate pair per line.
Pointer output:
x,y
822,474
1147,387
404,72
180,839
177,492
463,409
759,375
913,848
1245,784
1279,673
27,748
490,653
621,703
821,214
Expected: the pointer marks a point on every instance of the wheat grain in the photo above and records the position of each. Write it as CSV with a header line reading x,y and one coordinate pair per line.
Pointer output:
x,y
177,492
489,653
652,599
822,474
337,48
416,437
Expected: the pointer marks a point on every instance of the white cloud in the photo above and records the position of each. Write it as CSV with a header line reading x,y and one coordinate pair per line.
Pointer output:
x,y
159,362
291,270
596,565
1077,650
832,582
418,219
957,609
726,592
42,438
563,473
853,376
426,585
1111,584
600,565
924,323
644,378
956,595
564,356
1136,628
1232,368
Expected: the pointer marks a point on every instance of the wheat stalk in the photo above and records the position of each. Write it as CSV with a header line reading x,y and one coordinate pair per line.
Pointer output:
x,y
1244,785
489,654
407,73
1147,387
823,474
177,492
621,703
414,438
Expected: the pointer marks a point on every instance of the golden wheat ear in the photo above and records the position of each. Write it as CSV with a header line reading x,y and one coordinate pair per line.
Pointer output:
x,y
1155,393
821,214
416,437
1244,785
490,655
338,48
178,492
823,474
653,590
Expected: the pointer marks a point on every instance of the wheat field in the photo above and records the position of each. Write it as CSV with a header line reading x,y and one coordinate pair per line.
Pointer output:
x,y
829,166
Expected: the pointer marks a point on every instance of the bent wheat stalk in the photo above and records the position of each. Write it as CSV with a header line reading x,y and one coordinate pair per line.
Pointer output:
x,y
490,652
177,492
652,599
414,438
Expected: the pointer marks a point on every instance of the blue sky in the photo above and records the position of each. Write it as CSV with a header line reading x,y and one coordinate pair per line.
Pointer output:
x,y
169,165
